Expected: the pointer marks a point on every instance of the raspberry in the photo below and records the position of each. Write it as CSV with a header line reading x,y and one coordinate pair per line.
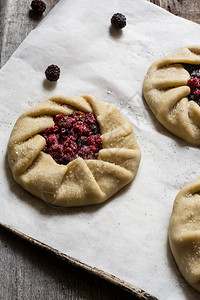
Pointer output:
x,y
52,139
197,94
118,21
38,6
79,115
66,122
90,119
51,130
52,73
94,140
86,153
193,84
81,128
68,156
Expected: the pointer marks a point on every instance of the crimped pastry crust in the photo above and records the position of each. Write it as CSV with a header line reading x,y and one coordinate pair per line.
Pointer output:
x,y
81,182
184,232
165,90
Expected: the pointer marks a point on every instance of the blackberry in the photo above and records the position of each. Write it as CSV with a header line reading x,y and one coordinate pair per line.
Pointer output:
x,y
38,6
52,73
195,74
118,21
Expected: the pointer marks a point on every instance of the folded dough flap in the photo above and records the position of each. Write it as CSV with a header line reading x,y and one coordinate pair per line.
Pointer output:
x,y
119,138
125,158
185,214
184,232
170,76
110,177
21,155
194,113
111,119
98,107
76,102
49,107
26,127
189,55
172,97
177,119
185,217
43,177
187,255
79,186
70,185
174,113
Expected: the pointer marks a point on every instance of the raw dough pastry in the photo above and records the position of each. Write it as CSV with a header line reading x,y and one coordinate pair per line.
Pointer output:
x,y
165,90
81,182
184,232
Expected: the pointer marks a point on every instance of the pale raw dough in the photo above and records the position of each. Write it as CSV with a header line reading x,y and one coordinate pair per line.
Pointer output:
x,y
184,232
81,182
165,90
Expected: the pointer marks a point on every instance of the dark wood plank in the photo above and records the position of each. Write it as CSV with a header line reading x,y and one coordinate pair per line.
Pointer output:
x,y
28,272
188,9
17,20
2,25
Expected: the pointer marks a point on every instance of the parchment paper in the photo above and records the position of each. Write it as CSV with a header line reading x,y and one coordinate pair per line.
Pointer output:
x,y
126,236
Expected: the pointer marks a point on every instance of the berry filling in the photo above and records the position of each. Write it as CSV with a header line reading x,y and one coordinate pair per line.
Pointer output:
x,y
194,82
76,135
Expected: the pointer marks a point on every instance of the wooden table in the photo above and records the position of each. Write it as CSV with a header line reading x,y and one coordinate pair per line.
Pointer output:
x,y
28,272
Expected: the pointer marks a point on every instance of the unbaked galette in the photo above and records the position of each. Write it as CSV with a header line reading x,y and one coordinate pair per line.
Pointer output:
x,y
172,91
73,151
184,232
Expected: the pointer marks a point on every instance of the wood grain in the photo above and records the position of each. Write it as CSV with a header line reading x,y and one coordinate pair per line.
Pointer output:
x,y
28,272
17,20
188,9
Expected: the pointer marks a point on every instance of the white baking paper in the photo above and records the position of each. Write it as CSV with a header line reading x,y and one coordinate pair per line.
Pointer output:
x,y
128,235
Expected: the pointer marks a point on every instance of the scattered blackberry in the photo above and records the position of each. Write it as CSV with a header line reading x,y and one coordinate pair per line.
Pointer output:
x,y
118,21
38,6
52,73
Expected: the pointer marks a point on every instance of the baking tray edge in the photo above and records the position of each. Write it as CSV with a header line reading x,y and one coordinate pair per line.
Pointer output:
x,y
140,293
